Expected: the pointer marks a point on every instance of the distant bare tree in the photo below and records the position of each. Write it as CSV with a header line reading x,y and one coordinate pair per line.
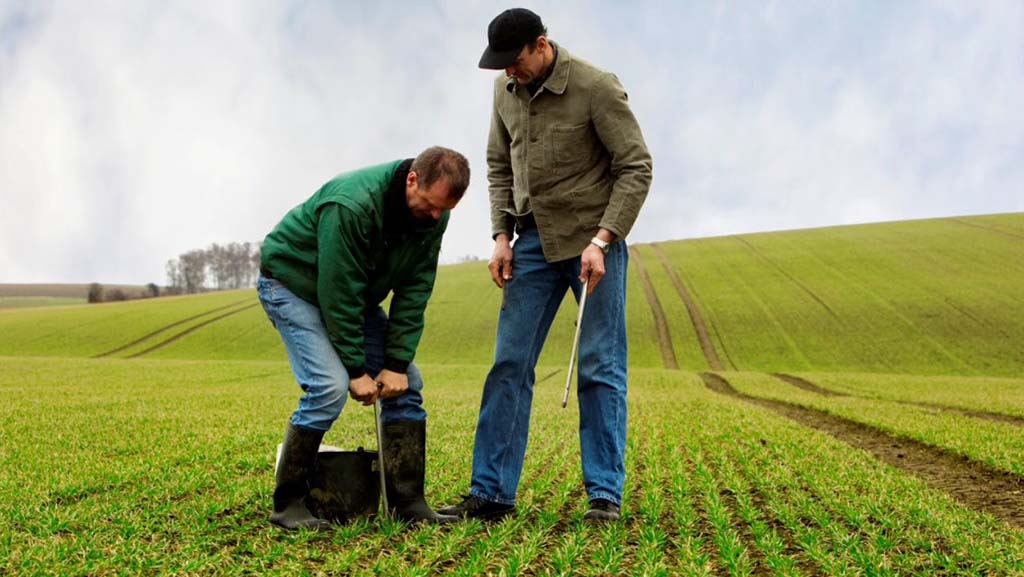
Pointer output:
x,y
152,290
238,258
193,270
95,293
175,279
231,266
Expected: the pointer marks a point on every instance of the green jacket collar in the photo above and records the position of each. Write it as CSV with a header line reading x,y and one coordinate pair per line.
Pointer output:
x,y
398,219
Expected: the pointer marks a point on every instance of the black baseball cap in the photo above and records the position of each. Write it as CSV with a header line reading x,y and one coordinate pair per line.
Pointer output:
x,y
506,36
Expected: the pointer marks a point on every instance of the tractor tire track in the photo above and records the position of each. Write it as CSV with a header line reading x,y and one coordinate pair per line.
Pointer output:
x,y
190,330
786,274
807,385
668,355
150,335
976,413
703,336
988,228
969,482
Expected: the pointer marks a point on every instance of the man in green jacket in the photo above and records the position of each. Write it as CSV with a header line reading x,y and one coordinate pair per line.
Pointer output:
x,y
568,171
324,270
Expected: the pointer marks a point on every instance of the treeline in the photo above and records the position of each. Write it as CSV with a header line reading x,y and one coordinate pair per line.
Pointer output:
x,y
217,267
100,294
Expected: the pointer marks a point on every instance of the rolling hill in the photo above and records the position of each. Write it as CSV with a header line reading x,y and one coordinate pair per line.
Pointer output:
x,y
929,297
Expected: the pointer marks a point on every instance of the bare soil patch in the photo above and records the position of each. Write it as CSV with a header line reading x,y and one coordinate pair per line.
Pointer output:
x,y
668,355
978,414
706,345
807,385
969,482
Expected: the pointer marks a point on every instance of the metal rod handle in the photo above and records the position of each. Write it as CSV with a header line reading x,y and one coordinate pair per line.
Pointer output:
x,y
575,343
380,448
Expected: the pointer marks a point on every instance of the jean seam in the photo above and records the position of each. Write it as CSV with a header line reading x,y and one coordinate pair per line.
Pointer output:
x,y
290,327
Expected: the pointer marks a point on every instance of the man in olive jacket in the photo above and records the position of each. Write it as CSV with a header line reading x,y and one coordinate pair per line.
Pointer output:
x,y
568,171
325,269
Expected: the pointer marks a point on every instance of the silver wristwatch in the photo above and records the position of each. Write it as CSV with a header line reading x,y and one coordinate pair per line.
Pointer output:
x,y
603,245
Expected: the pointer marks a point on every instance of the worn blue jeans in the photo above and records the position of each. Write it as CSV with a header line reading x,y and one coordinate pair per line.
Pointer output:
x,y
316,365
531,300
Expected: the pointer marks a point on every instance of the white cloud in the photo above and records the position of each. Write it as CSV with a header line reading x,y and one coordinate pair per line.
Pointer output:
x,y
131,132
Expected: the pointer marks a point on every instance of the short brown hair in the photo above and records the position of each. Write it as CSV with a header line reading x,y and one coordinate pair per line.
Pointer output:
x,y
439,162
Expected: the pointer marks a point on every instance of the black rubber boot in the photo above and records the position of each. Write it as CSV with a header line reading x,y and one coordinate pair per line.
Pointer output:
x,y
405,444
298,456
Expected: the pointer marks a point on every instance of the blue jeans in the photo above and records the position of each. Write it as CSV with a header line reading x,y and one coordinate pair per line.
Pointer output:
x,y
316,365
531,300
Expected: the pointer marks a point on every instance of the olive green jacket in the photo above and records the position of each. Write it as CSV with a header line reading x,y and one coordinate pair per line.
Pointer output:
x,y
573,154
344,250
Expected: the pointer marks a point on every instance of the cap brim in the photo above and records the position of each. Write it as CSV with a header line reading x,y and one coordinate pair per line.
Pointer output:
x,y
495,60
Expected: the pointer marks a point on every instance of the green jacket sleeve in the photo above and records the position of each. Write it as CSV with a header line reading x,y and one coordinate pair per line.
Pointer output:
x,y
341,282
631,163
408,303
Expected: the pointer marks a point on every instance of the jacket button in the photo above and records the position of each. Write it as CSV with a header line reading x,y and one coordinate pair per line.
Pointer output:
x,y
534,139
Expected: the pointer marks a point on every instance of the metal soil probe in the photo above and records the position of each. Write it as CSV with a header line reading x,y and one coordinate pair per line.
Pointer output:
x,y
380,448
575,343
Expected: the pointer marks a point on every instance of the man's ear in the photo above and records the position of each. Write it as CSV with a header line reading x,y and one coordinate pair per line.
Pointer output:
x,y
411,179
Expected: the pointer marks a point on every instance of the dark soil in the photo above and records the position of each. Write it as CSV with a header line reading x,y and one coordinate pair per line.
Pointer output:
x,y
986,415
807,385
668,355
969,482
706,345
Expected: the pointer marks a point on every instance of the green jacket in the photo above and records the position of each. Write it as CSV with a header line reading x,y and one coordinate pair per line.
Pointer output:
x,y
347,247
572,153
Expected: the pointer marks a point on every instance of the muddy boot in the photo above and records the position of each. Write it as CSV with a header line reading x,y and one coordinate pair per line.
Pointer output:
x,y
298,456
405,445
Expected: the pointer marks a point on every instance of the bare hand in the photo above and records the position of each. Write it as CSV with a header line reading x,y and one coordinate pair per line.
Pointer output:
x,y
363,389
501,261
592,266
395,384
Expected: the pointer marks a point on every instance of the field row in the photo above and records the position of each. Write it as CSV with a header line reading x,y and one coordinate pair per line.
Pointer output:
x,y
175,477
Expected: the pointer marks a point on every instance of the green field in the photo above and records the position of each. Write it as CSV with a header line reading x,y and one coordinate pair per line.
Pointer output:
x,y
856,408
32,302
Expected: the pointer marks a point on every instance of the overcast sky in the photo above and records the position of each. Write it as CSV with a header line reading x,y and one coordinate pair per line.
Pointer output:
x,y
133,131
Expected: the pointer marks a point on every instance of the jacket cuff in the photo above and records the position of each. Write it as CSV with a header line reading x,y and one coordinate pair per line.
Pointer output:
x,y
396,365
355,373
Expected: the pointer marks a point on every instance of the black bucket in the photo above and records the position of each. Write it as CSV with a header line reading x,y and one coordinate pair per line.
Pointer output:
x,y
345,485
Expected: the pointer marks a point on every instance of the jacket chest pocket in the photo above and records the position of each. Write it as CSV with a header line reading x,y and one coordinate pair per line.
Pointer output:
x,y
572,144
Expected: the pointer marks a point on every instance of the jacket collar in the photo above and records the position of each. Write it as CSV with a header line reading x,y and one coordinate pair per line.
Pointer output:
x,y
559,77
398,219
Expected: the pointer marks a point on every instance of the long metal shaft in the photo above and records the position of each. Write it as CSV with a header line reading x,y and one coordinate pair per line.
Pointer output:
x,y
575,343
380,452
